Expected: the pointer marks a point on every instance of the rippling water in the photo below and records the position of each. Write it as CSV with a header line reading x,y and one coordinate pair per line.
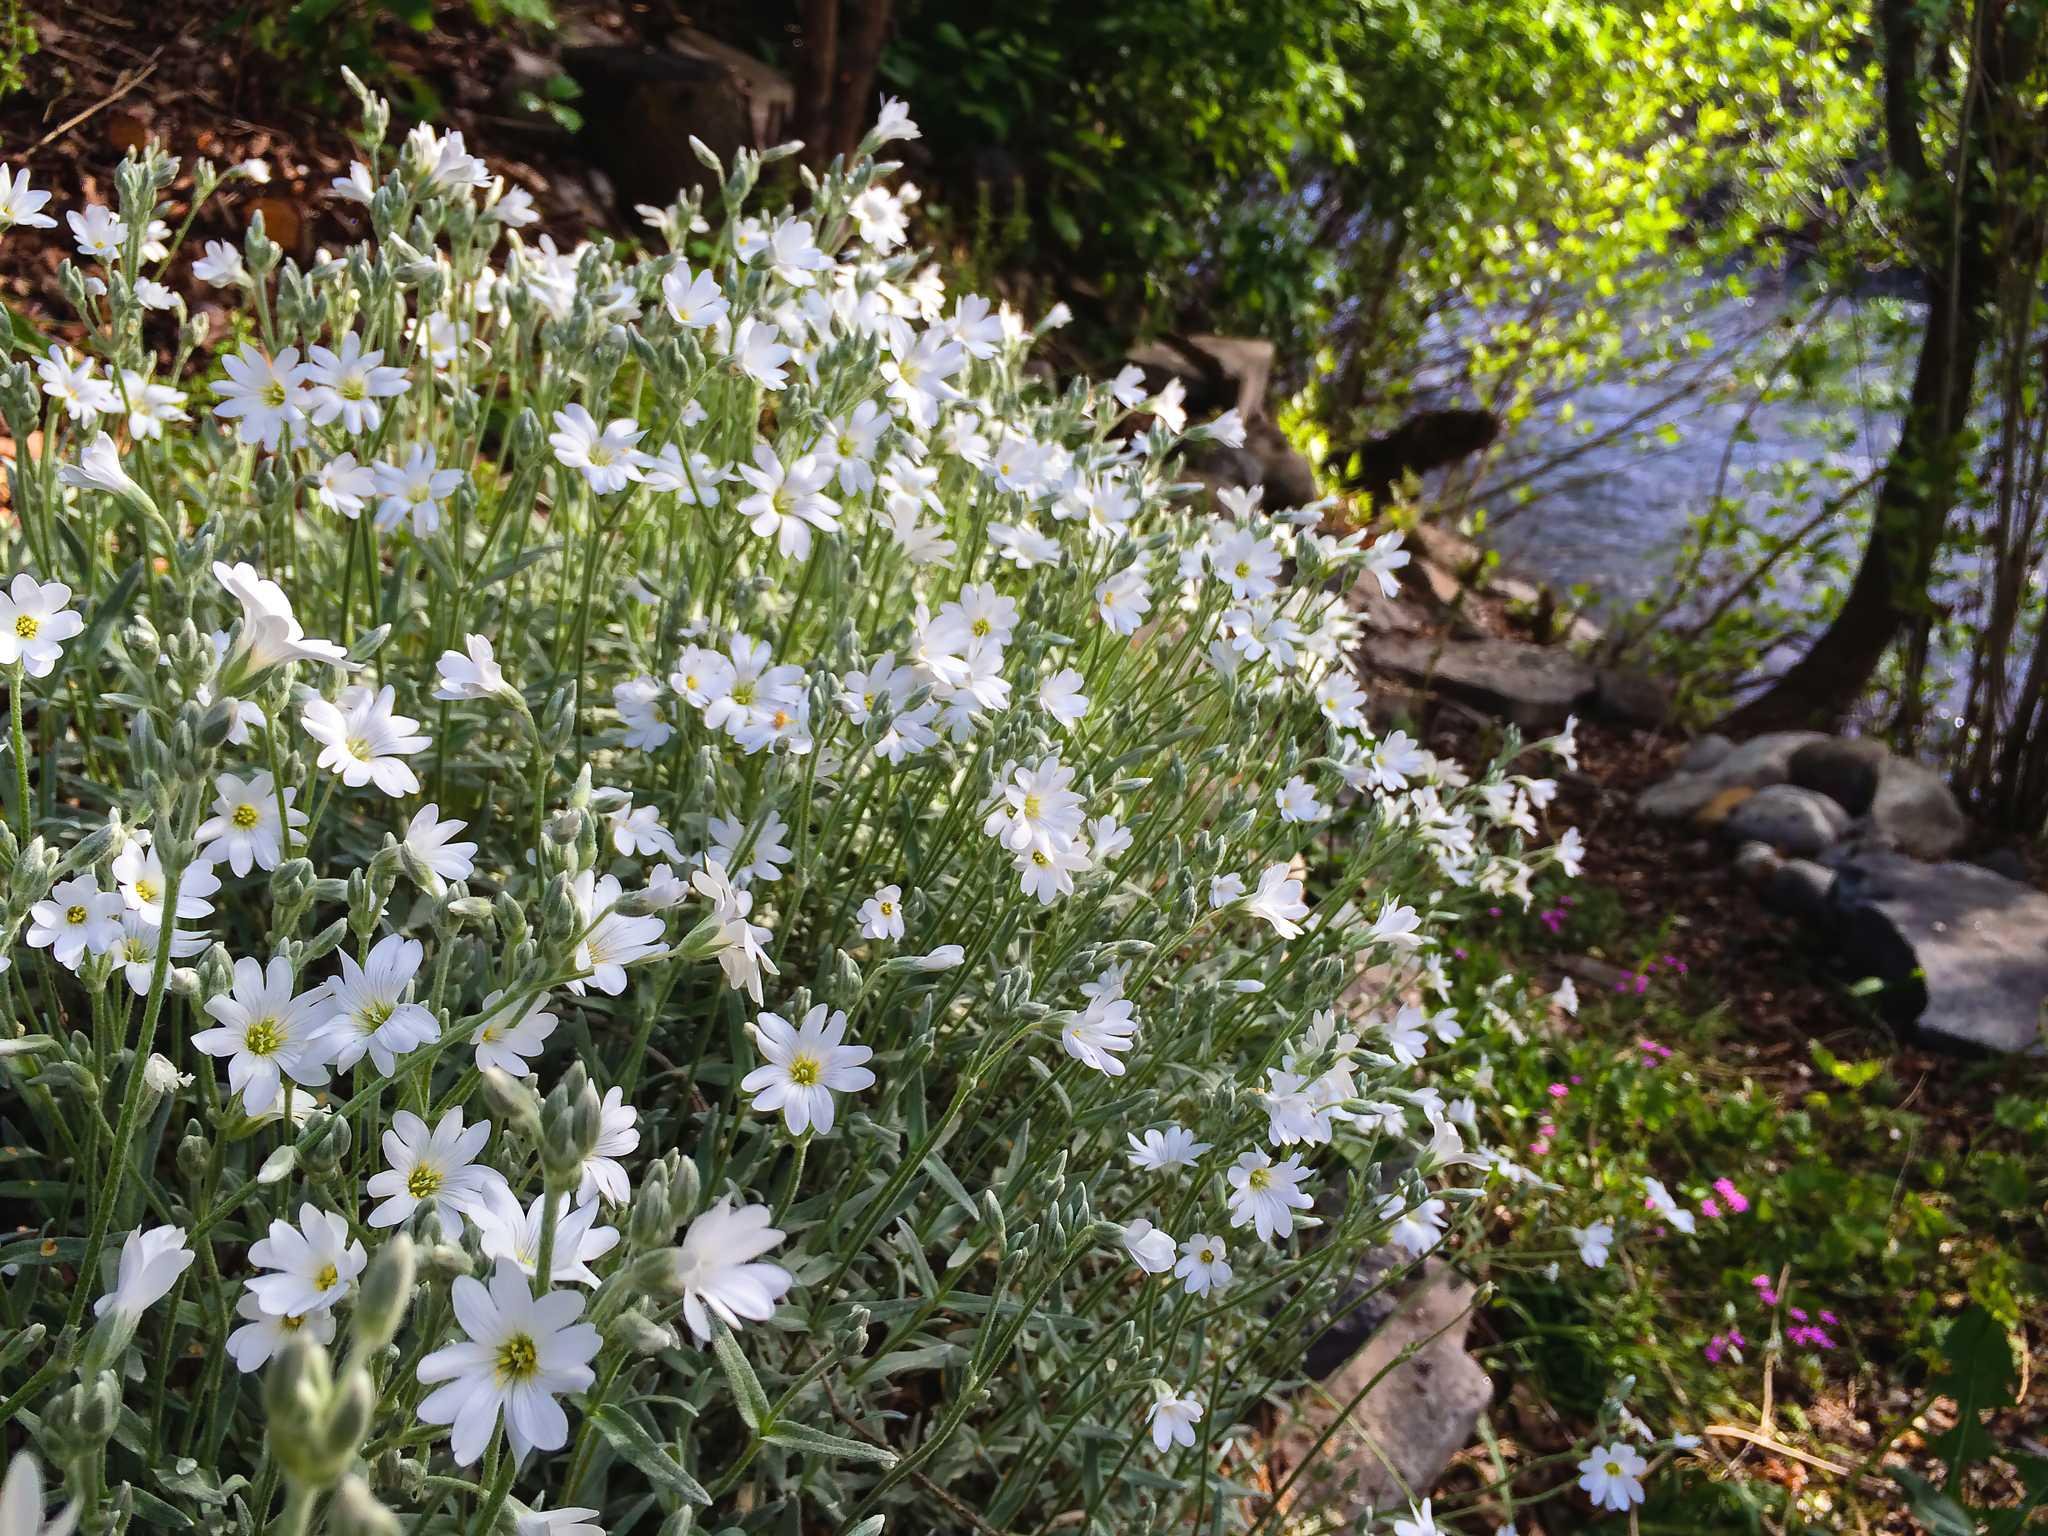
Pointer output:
x,y
1614,518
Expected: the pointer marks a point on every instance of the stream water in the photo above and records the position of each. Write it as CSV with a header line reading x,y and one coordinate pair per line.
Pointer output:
x,y
1613,516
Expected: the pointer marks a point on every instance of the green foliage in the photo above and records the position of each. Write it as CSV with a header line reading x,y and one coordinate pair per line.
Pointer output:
x,y
1900,1217
17,41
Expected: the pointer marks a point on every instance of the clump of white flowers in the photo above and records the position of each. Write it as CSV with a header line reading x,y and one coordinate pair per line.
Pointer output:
x,y
650,890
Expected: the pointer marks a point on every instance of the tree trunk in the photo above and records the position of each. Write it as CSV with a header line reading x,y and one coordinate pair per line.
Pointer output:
x,y
853,91
820,64
1919,488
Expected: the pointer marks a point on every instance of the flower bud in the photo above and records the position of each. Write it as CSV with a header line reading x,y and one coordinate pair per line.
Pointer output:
x,y
384,1294
514,1104
447,1261
356,1512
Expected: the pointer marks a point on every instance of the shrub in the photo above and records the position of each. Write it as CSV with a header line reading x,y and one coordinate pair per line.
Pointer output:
x,y
819,876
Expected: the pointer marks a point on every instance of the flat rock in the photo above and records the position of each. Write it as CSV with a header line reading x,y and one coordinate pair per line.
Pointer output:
x,y
1962,950
1760,761
1844,768
1705,753
1792,820
1405,1430
1534,686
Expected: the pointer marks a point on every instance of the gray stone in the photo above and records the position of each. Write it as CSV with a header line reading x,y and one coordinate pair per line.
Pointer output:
x,y
1962,951
1800,888
1534,686
1916,811
1631,698
1797,821
1760,761
1705,753
1844,768
1756,862
1417,1415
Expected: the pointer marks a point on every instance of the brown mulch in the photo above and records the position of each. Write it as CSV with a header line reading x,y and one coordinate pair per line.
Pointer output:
x,y
195,77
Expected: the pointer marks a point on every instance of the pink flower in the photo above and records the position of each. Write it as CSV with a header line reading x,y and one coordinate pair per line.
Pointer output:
x,y
1737,1201
1710,1207
1558,1090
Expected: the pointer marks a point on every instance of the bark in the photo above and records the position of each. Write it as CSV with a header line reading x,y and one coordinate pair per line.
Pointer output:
x,y
1918,492
820,63
853,93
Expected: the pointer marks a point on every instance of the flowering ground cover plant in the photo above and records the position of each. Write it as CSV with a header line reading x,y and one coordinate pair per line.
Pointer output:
x,y
643,892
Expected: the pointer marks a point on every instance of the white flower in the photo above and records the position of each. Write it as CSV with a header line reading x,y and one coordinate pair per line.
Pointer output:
x,y
1174,1147
21,206
21,1495
1566,996
98,232
245,829
1297,801
788,501
431,840
1098,1035
1060,696
719,1271
638,701
1397,925
221,266
364,740
805,1066
347,385
1416,1228
263,1334
471,673
611,940
34,622
881,915
1612,1476
1150,1249
1036,807
1224,890
136,949
760,354
1595,1242
765,856
1264,1195
569,1520
1423,1522
99,469
266,1033
1278,900
1657,1198
413,491
139,873
636,831
604,1176
151,406
892,123
76,919
270,635
366,1011
510,1235
694,301
521,1353
1386,557
436,1169
944,958
77,386
150,1264
265,397
604,456
1203,1265
510,1043
1173,1419
1570,852
315,1263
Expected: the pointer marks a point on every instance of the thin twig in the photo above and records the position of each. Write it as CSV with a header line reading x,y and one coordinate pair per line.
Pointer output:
x,y
128,81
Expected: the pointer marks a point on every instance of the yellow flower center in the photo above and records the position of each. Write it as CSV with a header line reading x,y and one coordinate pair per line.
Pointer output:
x,y
355,387
291,1324
888,908
743,693
245,817
1208,1255
805,1071
422,1181
1258,1179
517,1358
26,625
981,628
1033,807
274,394
358,748
1614,1469
148,890
75,915
328,1278
262,1037
1244,569
373,1016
